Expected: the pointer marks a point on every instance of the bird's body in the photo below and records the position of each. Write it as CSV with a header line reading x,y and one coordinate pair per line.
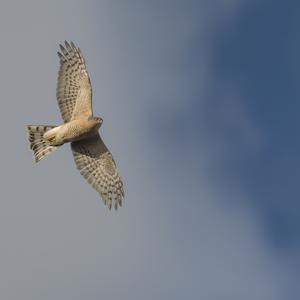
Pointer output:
x,y
73,131
80,128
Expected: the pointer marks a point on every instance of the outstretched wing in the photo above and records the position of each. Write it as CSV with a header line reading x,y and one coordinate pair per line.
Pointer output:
x,y
74,90
98,167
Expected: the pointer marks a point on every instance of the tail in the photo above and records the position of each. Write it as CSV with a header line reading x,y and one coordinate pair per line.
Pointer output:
x,y
41,147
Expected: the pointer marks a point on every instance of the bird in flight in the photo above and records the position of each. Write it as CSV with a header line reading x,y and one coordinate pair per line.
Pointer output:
x,y
80,128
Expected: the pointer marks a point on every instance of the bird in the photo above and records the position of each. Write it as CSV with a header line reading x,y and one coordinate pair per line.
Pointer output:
x,y
80,128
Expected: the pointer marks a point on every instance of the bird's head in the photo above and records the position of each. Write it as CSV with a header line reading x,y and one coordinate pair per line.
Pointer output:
x,y
97,121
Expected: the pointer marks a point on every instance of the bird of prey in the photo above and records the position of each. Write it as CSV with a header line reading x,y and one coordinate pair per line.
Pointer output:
x,y
80,128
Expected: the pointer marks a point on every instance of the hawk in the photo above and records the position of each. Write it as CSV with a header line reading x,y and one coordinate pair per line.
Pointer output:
x,y
80,128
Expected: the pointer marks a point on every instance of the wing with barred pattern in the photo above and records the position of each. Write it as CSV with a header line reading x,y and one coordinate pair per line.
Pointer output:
x,y
74,90
98,167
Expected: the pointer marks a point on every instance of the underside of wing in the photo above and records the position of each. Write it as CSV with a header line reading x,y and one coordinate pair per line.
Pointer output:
x,y
74,91
98,167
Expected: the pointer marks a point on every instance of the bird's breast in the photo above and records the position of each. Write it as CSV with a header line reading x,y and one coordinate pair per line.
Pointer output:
x,y
77,130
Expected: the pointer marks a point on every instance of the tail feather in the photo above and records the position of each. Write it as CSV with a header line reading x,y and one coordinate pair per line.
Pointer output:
x,y
41,147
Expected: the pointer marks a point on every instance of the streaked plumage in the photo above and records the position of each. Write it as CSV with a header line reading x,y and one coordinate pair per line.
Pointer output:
x,y
74,90
74,96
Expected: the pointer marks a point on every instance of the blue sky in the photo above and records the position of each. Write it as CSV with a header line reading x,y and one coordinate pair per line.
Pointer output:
x,y
257,52
199,102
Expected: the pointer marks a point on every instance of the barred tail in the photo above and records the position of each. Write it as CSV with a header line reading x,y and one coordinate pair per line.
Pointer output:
x,y
41,147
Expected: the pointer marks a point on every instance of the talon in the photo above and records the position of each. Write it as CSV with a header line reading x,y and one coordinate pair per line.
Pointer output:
x,y
51,138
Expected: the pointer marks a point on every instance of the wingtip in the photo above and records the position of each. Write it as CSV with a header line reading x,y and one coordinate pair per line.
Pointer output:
x,y
67,45
62,48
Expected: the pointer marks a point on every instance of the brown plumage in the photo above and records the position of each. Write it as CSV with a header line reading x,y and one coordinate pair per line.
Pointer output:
x,y
74,97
